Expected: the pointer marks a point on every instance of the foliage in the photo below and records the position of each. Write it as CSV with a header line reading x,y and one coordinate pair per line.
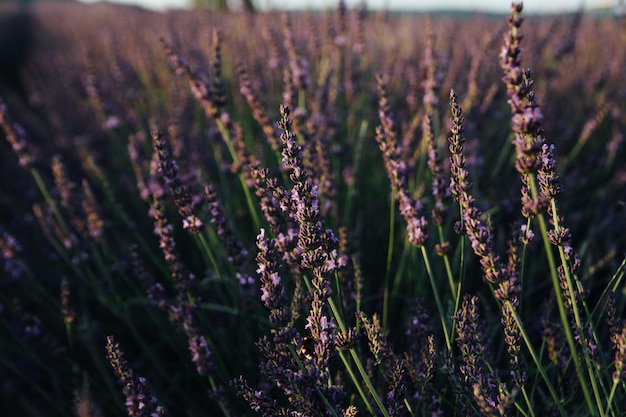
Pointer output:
x,y
313,214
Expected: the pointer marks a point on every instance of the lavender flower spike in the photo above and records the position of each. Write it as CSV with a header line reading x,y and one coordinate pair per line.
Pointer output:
x,y
410,208
140,402
180,192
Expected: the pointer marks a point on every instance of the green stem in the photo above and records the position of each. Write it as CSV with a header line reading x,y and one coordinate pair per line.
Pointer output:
x,y
535,358
315,387
392,219
609,401
357,361
614,284
347,214
209,253
251,207
522,273
446,262
573,301
528,403
437,299
401,267
355,381
559,299
368,382
457,299
563,313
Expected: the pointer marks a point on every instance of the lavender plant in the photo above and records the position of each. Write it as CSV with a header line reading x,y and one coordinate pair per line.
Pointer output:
x,y
323,214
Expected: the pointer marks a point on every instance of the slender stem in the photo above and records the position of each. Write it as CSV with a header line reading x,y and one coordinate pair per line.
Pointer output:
x,y
446,261
392,220
536,360
609,401
357,360
301,98
209,253
251,207
401,267
563,313
560,302
522,274
347,214
457,299
528,403
355,381
614,284
368,382
329,407
573,301
339,295
437,299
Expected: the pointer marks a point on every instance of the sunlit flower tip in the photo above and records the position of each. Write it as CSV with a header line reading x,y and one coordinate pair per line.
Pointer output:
x,y
527,234
192,223
265,294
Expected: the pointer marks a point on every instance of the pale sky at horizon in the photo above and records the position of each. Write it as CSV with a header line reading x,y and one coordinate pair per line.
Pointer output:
x,y
502,6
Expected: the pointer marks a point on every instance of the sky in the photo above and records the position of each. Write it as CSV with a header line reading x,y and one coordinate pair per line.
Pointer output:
x,y
501,6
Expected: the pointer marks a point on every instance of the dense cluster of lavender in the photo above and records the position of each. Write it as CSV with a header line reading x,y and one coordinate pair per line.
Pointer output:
x,y
334,214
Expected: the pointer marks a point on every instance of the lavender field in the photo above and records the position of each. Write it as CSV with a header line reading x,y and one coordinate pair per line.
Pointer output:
x,y
334,213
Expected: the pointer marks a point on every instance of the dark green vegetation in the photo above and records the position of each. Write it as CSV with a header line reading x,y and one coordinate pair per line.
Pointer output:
x,y
15,40
232,214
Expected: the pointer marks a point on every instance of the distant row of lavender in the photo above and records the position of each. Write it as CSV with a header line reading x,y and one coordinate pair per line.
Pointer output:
x,y
314,214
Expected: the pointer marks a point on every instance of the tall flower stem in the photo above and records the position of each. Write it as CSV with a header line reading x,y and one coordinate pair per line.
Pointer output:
x,y
225,133
536,165
357,361
446,263
390,245
433,285
328,406
209,253
564,319
536,359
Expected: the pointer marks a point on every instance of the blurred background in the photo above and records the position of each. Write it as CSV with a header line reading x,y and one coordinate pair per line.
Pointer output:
x,y
16,24
490,6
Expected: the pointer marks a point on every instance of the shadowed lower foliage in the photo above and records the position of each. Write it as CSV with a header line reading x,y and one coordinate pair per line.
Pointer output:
x,y
313,214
